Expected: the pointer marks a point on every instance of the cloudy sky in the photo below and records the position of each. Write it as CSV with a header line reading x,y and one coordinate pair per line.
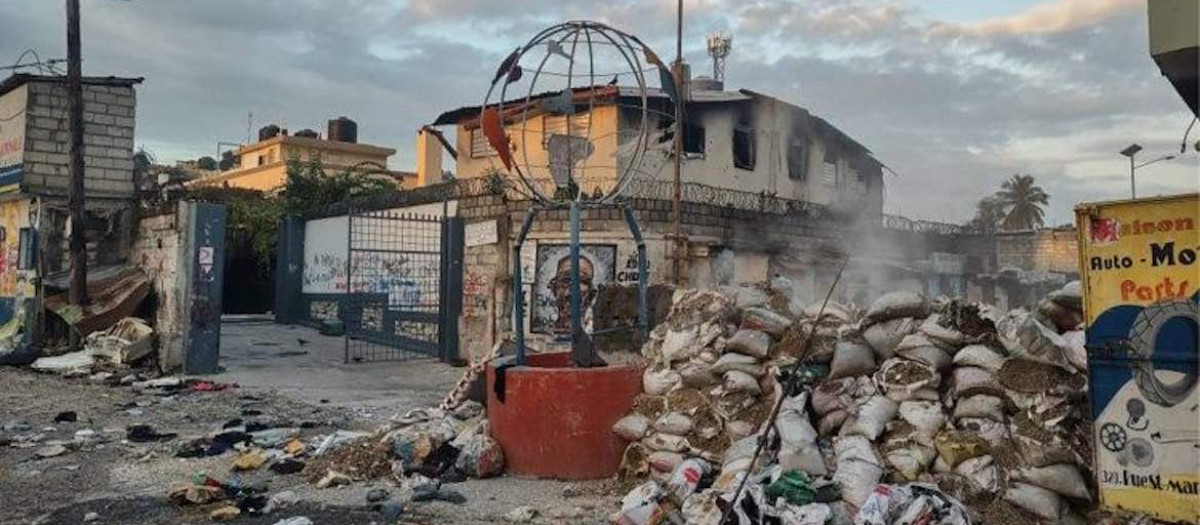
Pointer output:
x,y
954,96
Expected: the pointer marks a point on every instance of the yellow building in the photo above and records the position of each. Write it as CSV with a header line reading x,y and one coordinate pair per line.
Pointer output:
x,y
263,164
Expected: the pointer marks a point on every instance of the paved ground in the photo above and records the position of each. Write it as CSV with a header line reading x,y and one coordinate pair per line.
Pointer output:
x,y
302,364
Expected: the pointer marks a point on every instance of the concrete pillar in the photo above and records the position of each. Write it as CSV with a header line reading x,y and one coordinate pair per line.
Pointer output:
x,y
429,158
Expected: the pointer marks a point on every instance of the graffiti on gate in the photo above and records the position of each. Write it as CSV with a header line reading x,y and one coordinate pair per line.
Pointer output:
x,y
325,272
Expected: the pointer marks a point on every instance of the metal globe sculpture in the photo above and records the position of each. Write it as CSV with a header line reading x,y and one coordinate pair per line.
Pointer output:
x,y
538,115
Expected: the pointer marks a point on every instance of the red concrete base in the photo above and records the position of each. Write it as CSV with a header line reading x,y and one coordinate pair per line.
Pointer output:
x,y
556,421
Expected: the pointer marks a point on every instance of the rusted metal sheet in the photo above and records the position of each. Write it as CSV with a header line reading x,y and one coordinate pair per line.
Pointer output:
x,y
115,294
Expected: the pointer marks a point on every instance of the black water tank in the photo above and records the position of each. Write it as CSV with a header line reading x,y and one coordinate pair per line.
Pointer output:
x,y
308,134
342,129
267,132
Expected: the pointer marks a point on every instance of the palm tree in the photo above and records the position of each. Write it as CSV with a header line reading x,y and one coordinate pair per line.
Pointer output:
x,y
989,213
1024,202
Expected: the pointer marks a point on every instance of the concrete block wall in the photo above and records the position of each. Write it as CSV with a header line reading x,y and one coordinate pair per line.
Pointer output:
x,y
1050,250
108,116
157,250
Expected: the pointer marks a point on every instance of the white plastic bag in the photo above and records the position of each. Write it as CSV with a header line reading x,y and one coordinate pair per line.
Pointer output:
x,y
1025,337
1077,351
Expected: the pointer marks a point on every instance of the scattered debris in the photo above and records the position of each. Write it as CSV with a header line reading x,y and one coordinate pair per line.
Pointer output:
x,y
91,516
146,434
128,341
66,417
249,460
226,513
50,451
523,514
333,479
376,495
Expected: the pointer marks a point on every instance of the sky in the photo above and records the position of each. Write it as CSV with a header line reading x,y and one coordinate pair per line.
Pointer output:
x,y
954,96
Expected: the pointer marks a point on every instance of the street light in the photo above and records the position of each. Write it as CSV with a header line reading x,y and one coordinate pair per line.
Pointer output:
x,y
1130,152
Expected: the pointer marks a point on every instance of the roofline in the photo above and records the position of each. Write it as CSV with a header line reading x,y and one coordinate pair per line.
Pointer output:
x,y
17,80
316,143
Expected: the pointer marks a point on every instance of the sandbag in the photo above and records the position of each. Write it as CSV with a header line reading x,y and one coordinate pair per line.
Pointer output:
x,y
664,461
834,312
911,459
680,345
806,459
753,343
1038,501
832,395
738,429
660,442
872,417
900,378
697,374
632,427
738,381
701,508
792,423
739,362
954,446
918,348
851,359
1058,317
898,304
1076,349
925,416
673,423
994,432
947,338
1070,296
979,356
858,468
969,380
831,422
1026,338
1062,478
659,382
884,336
982,472
980,406
765,320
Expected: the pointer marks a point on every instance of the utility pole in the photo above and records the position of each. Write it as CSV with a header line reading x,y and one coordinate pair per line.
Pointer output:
x,y
77,293
680,245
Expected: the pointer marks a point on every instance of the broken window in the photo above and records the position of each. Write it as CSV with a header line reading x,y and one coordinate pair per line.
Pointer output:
x,y
261,160
743,148
829,174
479,145
796,159
693,139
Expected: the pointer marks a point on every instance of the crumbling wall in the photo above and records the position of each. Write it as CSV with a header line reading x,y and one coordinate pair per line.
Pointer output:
x,y
1050,250
157,250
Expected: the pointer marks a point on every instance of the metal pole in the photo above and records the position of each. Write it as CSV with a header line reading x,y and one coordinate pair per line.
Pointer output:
x,y
576,293
643,274
518,301
1132,182
344,310
677,202
77,294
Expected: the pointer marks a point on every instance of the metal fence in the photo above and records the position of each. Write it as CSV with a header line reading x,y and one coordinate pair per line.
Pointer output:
x,y
395,271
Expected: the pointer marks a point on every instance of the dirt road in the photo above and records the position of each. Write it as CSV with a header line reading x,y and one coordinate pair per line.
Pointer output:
x,y
98,469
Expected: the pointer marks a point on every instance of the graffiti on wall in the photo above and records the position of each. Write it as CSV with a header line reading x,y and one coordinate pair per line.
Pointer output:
x,y
325,272
551,308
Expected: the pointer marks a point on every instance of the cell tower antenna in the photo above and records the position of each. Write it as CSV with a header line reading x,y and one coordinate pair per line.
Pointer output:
x,y
719,46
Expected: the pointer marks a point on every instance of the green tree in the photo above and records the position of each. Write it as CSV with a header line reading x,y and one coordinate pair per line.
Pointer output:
x,y
309,186
989,213
228,161
1023,201
206,163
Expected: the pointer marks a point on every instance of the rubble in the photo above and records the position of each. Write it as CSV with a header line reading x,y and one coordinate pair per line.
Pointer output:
x,y
916,411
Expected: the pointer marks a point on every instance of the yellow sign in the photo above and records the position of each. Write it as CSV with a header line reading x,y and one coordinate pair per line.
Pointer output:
x,y
1140,279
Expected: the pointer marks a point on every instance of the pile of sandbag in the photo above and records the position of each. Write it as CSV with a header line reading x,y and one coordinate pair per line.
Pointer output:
x,y
919,405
